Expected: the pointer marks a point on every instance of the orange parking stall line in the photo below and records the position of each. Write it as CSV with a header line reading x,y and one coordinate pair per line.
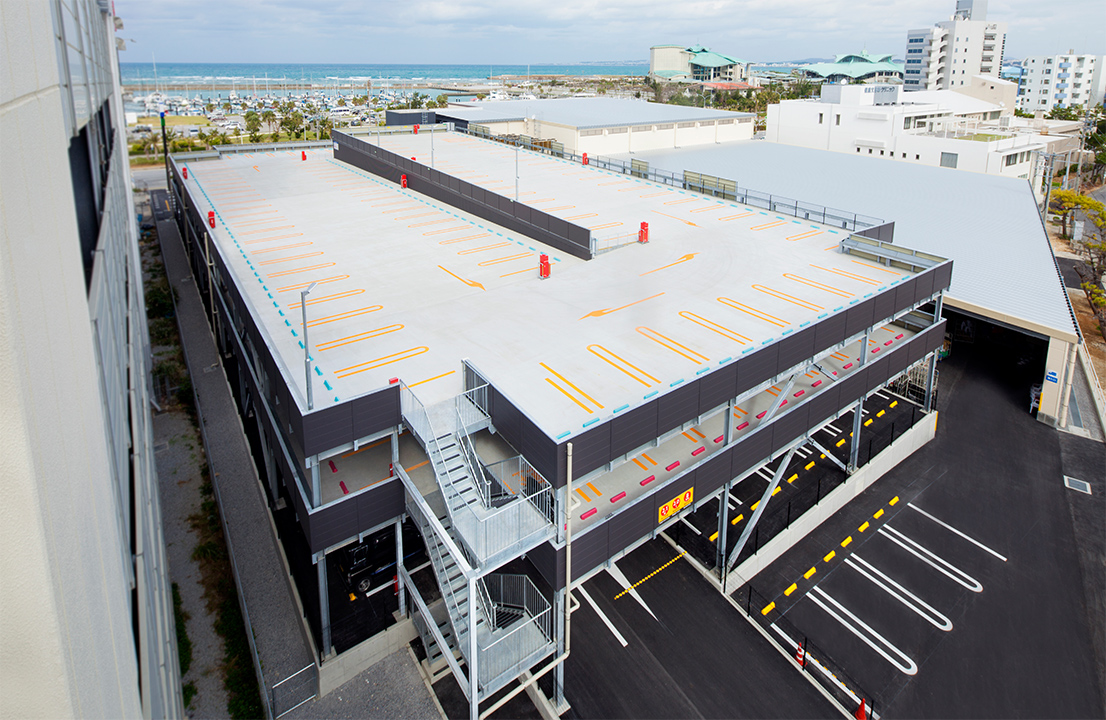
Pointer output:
x,y
570,397
728,218
571,385
265,230
673,345
708,208
281,247
344,315
787,298
301,286
701,435
596,350
758,314
818,286
715,327
430,222
418,215
804,236
446,230
382,361
248,202
519,272
658,194
681,201
508,258
436,377
259,222
482,248
368,334
581,217
846,273
328,298
249,214
562,207
604,226
278,237
876,267
463,239
640,464
274,261
765,226
651,460
293,271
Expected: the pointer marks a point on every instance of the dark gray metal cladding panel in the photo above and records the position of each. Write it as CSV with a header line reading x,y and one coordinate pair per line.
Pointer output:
x,y
904,294
859,317
717,387
752,451
823,405
915,348
380,504
852,387
671,492
550,563
295,420
877,372
332,524
829,331
790,426
539,219
630,525
376,412
558,226
796,348
884,305
935,336
590,549
505,417
923,285
327,427
633,428
678,407
942,276
591,449
540,451
714,473
897,360
522,212
757,367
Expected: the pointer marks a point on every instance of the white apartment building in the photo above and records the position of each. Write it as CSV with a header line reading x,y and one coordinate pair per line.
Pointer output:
x,y
1062,81
86,611
942,128
949,54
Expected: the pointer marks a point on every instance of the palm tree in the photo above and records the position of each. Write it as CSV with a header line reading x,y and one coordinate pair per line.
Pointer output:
x,y
269,118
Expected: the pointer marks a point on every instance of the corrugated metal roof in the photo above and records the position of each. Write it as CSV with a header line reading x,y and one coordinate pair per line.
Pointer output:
x,y
713,59
584,113
988,225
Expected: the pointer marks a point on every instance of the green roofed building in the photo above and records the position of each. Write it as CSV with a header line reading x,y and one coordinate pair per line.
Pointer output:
x,y
858,67
695,64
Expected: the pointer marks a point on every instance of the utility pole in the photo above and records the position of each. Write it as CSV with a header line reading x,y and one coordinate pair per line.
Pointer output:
x,y
306,345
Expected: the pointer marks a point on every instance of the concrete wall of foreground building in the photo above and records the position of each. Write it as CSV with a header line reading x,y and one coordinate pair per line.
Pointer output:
x,y
86,624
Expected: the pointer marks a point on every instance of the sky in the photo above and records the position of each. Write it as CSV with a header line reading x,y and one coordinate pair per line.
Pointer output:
x,y
481,32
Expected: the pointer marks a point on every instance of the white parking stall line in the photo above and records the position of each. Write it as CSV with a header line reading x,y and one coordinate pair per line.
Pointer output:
x,y
793,646
940,564
602,616
870,637
804,451
693,528
763,472
950,527
833,428
907,598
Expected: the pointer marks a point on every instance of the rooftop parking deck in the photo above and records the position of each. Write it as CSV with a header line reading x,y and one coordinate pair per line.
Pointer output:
x,y
409,286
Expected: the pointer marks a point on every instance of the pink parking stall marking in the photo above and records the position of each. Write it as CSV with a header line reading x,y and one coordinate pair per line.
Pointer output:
x,y
647,480
333,467
619,496
589,513
697,451
343,486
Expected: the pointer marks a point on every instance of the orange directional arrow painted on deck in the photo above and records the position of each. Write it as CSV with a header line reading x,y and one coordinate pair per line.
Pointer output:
x,y
687,222
685,258
608,311
255,168
470,283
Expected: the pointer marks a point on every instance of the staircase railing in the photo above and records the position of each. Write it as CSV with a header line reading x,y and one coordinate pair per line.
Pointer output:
x,y
519,477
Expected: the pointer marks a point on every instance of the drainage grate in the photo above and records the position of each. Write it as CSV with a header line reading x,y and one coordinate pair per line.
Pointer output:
x,y
1080,485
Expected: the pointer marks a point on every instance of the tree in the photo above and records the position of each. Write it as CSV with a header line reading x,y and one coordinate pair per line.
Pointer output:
x,y
341,102
293,123
209,108
269,118
359,100
443,100
253,126
226,107
1063,113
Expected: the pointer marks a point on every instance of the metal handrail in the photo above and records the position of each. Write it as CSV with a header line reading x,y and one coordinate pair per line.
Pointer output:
x,y
452,601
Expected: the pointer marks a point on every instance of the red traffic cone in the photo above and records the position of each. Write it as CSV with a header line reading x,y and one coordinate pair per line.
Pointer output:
x,y
861,712
800,655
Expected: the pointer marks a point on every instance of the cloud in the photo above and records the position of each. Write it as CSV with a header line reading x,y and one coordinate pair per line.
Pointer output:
x,y
521,31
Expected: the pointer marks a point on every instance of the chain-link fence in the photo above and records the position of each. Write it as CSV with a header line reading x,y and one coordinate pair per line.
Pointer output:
x,y
813,659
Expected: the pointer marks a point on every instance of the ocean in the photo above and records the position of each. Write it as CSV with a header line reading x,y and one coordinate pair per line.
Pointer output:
x,y
205,74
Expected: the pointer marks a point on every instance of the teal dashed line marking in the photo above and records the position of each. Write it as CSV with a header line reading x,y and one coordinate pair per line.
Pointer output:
x,y
870,294
275,304
566,433
269,294
853,302
335,398
763,213
788,331
815,227
804,324
591,422
301,344
767,341
835,232
620,409
746,350
823,315
701,370
319,372
281,312
295,335
287,323
723,361
839,308
326,384
780,218
674,384
649,395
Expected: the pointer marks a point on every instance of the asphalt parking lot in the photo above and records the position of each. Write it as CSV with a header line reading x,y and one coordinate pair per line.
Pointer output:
x,y
967,581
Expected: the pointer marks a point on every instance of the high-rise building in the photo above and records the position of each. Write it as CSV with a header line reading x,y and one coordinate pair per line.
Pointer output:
x,y
86,616
1069,80
949,54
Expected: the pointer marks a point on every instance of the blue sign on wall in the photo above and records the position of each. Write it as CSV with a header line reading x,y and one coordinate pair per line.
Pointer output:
x,y
1052,377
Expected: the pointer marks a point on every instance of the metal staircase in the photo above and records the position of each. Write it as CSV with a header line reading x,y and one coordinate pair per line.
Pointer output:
x,y
483,518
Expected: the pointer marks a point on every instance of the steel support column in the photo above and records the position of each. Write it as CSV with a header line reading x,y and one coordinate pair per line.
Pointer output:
x,y
780,400
324,606
931,376
400,585
473,660
858,412
559,600
727,424
316,482
818,446
723,526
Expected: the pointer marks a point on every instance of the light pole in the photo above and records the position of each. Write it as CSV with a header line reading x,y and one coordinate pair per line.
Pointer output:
x,y
516,173
306,345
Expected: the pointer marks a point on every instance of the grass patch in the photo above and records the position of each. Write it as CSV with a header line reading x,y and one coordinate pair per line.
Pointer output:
x,y
189,692
144,161
239,679
163,331
159,298
184,644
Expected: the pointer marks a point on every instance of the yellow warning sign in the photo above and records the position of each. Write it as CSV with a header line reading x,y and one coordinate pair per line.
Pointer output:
x,y
674,505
